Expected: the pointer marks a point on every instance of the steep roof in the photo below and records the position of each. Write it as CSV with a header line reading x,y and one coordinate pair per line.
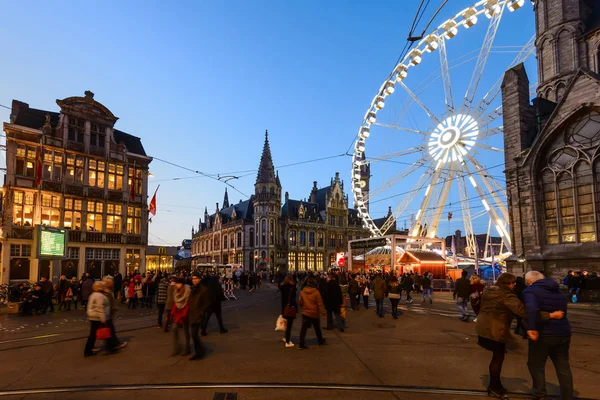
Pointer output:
x,y
266,170
133,143
291,208
32,117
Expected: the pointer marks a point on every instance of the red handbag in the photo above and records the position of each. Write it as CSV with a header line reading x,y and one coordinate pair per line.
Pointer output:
x,y
103,332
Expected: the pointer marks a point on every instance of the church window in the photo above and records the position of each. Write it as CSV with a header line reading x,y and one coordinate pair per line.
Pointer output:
x,y
263,233
570,185
271,232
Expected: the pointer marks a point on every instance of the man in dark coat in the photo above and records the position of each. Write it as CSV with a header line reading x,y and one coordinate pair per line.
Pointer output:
x,y
118,284
333,303
48,290
198,303
215,296
462,292
548,338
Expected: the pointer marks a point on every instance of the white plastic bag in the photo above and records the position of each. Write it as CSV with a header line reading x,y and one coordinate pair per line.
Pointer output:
x,y
281,324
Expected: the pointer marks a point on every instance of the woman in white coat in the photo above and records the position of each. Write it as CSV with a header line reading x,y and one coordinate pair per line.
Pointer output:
x,y
98,312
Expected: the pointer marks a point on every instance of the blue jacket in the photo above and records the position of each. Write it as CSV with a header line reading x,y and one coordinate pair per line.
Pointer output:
x,y
544,295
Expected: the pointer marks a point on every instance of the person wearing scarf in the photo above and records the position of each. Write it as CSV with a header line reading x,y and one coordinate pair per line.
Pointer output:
x,y
179,316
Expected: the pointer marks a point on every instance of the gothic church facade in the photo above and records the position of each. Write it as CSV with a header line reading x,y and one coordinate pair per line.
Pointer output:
x,y
552,143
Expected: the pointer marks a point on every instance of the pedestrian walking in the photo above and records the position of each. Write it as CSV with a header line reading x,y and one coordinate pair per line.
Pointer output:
x,y
407,285
288,299
498,306
394,293
215,296
353,292
108,290
75,294
364,291
547,338
333,302
198,303
48,290
462,292
379,292
179,314
426,285
98,312
477,288
161,299
312,306
169,304
87,284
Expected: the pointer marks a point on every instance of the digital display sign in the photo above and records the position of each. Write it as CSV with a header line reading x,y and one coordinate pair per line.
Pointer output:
x,y
52,242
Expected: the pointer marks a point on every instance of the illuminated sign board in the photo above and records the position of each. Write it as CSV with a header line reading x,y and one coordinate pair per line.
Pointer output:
x,y
368,244
51,242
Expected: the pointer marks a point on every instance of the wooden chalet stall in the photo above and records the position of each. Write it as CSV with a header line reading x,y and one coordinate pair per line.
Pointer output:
x,y
426,254
420,261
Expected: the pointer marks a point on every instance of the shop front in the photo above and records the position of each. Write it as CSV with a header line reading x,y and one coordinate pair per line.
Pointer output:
x,y
160,258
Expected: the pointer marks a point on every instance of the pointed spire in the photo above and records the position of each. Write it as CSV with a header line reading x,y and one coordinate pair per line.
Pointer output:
x,y
225,199
266,171
277,181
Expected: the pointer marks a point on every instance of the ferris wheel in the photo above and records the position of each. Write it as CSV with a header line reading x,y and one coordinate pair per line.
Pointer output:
x,y
429,151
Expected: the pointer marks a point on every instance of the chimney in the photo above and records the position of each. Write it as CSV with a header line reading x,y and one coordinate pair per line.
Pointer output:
x,y
217,207
287,196
89,94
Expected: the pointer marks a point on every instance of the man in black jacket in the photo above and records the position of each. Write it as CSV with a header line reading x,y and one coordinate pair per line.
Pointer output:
x,y
333,302
48,291
462,291
215,296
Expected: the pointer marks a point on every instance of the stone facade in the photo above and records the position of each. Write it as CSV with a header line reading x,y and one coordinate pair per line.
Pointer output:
x,y
72,169
261,233
552,144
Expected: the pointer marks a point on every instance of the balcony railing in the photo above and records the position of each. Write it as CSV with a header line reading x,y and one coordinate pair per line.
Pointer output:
x,y
74,236
93,237
114,238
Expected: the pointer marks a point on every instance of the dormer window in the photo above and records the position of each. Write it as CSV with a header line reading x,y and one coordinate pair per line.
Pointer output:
x,y
301,212
97,135
76,129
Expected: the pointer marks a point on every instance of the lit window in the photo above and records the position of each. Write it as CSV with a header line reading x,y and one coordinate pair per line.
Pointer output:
x,y
50,210
134,220
115,176
75,167
96,173
113,218
73,213
95,214
22,208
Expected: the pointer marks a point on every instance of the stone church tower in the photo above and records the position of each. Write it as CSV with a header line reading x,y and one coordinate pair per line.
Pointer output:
x,y
267,210
552,144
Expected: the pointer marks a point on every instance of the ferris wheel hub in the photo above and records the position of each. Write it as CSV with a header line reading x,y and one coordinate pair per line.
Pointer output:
x,y
453,138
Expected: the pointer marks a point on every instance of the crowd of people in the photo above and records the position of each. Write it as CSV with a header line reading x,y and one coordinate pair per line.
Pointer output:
x,y
186,302
578,281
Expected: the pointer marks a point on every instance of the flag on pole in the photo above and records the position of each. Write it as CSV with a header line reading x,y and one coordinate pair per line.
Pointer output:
x,y
38,166
454,260
152,206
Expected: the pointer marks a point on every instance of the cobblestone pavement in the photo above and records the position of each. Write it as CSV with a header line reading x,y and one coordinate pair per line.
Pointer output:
x,y
426,354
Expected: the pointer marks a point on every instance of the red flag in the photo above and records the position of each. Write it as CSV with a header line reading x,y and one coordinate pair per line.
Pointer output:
x,y
38,167
152,207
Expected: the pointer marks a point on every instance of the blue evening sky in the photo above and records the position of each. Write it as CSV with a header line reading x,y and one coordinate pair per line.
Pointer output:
x,y
200,82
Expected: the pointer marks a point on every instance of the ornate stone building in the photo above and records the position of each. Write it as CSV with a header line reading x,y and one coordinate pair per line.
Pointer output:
x,y
552,147
263,233
72,169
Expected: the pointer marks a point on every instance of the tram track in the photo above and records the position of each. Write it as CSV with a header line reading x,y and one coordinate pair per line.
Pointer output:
x,y
261,385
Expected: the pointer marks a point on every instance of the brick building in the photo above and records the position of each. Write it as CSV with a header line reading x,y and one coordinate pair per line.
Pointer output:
x,y
73,170
261,233
552,144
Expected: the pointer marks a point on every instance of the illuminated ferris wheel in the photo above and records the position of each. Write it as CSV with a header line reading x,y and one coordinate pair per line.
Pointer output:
x,y
431,151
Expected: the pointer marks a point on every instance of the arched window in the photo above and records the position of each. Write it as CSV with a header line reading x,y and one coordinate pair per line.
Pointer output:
x,y
565,51
546,60
570,185
567,209
585,202
263,233
271,232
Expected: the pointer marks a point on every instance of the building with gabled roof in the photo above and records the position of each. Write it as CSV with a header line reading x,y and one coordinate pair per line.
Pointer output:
x,y
74,172
262,233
